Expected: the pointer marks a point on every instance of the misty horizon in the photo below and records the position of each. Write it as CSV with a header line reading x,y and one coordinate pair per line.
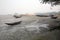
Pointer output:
x,y
25,6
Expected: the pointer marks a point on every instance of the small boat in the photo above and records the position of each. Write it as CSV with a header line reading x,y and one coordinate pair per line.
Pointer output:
x,y
14,23
17,16
53,17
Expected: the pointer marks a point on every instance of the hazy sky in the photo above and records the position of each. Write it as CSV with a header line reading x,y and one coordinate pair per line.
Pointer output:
x,y
25,6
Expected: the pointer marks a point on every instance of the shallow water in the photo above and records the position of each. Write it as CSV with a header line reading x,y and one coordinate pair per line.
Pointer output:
x,y
30,28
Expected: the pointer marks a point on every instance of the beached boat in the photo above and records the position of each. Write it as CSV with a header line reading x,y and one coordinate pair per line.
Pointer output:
x,y
13,23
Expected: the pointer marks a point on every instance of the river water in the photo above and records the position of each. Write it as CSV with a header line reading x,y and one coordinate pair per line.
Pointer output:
x,y
29,29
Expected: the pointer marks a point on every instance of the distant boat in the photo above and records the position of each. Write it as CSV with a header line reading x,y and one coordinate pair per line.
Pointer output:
x,y
53,17
42,15
14,23
16,15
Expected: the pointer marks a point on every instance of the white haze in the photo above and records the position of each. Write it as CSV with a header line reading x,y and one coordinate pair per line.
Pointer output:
x,y
25,6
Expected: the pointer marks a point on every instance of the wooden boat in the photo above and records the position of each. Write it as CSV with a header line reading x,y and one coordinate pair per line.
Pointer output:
x,y
14,23
17,16
53,17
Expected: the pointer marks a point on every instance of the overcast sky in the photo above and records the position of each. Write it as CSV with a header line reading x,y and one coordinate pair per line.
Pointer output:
x,y
25,6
